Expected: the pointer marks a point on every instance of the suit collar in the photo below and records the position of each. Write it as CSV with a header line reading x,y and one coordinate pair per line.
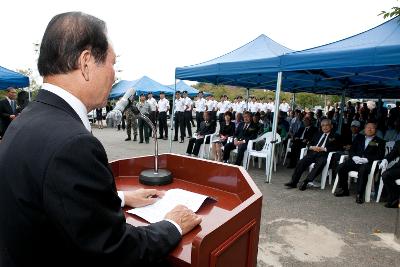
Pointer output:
x,y
54,100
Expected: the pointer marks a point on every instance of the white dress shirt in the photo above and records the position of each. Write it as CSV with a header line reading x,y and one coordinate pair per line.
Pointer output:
x,y
210,105
163,105
284,107
72,100
153,104
179,105
188,103
367,140
200,105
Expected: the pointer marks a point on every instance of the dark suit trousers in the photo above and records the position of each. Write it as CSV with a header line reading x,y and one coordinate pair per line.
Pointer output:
x,y
297,145
319,158
199,119
362,169
179,124
389,178
188,125
162,124
195,144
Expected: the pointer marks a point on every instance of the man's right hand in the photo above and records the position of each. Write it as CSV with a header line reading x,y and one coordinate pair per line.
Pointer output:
x,y
12,117
184,217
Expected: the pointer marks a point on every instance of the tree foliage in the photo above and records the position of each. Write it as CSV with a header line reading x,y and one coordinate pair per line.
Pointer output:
x,y
393,12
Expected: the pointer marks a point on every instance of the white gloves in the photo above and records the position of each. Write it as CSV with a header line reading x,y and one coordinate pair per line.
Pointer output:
x,y
358,160
383,165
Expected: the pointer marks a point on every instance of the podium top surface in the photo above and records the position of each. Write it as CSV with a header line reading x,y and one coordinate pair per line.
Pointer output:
x,y
230,186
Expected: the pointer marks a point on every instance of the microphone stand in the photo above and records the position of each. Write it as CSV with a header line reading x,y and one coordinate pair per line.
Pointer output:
x,y
154,176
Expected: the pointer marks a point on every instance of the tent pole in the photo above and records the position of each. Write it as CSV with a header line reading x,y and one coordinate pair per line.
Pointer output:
x,y
270,161
325,102
247,99
293,101
339,129
172,119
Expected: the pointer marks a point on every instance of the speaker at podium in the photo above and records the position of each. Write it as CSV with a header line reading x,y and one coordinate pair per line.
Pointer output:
x,y
228,233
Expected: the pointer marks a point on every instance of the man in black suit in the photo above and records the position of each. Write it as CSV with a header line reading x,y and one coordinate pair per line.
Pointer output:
x,y
363,152
390,176
246,131
58,200
8,110
322,143
207,126
300,140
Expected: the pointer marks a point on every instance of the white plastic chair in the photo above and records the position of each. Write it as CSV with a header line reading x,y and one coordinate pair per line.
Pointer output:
x,y
288,150
264,153
354,175
326,172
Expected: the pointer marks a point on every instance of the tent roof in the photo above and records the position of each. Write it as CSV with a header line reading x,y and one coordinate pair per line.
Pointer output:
x,y
259,55
182,86
367,64
143,85
14,79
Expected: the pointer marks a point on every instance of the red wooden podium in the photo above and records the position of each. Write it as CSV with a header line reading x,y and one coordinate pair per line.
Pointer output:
x,y
228,234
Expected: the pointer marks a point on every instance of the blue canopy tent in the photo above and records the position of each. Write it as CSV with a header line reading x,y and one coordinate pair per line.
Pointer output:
x,y
364,65
10,78
143,85
182,86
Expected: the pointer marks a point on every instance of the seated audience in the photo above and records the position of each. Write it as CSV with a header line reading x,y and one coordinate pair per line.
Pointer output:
x,y
246,131
363,152
227,130
207,126
322,143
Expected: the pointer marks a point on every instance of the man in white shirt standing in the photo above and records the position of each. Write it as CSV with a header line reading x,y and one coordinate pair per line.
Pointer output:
x,y
179,119
187,113
223,107
201,105
163,108
284,107
153,110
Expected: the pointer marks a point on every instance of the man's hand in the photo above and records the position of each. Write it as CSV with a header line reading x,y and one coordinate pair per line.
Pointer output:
x,y
142,197
12,117
184,217
383,165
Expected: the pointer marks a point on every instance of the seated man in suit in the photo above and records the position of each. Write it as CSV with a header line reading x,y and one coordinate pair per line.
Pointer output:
x,y
58,199
389,177
322,143
363,152
8,110
300,140
207,126
246,131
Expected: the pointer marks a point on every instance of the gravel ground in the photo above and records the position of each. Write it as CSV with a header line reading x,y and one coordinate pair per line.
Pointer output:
x,y
310,228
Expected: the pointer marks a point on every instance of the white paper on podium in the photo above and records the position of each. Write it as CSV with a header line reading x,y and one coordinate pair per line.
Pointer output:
x,y
173,197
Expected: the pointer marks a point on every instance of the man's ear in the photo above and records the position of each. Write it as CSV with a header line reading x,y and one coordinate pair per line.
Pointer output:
x,y
84,63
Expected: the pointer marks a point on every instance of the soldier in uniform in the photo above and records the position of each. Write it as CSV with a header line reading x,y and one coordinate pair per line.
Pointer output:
x,y
131,120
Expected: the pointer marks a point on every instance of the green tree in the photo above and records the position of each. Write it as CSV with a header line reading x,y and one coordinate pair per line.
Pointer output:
x,y
393,12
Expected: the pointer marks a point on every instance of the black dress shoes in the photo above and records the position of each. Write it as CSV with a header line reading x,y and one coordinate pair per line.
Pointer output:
x,y
128,139
303,186
359,199
181,141
291,185
392,205
342,193
175,139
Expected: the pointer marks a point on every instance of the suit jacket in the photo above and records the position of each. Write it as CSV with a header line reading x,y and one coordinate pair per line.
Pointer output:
x,y
58,199
394,154
206,128
308,135
249,134
332,143
5,112
374,151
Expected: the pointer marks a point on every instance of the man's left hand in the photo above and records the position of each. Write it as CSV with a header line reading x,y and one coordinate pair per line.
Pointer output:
x,y
142,197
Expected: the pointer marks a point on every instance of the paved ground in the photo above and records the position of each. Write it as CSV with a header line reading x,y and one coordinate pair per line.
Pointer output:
x,y
311,228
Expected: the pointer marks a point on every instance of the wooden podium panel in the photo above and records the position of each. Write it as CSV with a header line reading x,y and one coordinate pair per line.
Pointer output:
x,y
228,233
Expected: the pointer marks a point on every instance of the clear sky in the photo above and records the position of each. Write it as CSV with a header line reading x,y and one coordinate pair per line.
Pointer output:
x,y
153,37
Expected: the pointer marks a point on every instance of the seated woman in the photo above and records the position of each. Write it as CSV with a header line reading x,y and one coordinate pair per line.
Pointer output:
x,y
227,130
206,127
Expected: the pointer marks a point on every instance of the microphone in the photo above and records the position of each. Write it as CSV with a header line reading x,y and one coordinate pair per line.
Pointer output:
x,y
154,176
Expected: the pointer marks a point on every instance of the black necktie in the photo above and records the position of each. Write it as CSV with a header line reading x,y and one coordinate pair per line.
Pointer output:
x,y
304,133
245,127
13,106
322,140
